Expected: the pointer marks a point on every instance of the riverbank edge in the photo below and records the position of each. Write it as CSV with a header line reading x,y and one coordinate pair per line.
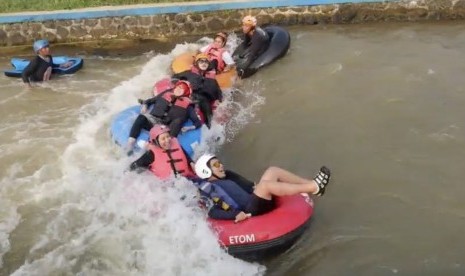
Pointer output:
x,y
165,21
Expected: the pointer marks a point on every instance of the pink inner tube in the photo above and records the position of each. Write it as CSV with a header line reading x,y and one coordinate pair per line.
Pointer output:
x,y
162,85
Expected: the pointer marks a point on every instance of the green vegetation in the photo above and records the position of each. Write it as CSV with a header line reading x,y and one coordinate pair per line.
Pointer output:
x,y
7,6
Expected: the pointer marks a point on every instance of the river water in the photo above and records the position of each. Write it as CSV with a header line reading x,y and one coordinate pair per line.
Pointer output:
x,y
381,105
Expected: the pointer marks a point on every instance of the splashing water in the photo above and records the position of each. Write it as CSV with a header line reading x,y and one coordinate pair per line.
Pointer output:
x,y
84,214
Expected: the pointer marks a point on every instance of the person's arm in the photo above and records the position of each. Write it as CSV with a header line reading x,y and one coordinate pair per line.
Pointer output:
x,y
228,61
54,65
63,65
189,159
153,100
243,182
146,103
252,53
204,49
143,162
29,70
184,75
257,43
218,92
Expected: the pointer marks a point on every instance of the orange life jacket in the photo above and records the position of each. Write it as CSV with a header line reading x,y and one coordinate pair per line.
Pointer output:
x,y
216,53
182,102
165,107
172,161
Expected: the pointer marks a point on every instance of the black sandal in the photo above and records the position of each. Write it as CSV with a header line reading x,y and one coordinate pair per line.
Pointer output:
x,y
322,179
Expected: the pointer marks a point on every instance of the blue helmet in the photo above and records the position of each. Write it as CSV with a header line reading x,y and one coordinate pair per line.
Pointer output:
x,y
39,44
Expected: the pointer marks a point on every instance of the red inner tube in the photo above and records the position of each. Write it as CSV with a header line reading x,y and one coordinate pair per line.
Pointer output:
x,y
291,212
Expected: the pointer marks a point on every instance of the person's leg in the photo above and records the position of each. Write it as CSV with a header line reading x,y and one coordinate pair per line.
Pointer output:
x,y
279,182
140,123
205,107
175,127
257,205
268,189
282,175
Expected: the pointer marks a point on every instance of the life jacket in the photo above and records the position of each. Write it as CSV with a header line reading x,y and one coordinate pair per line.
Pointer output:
x,y
168,106
216,53
213,190
172,161
208,74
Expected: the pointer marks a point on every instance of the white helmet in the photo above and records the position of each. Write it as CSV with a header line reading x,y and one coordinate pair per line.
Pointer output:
x,y
201,166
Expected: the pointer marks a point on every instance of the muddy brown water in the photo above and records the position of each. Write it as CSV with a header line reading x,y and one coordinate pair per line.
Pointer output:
x,y
381,105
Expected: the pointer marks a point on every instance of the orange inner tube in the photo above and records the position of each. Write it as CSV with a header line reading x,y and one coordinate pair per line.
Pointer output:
x,y
184,62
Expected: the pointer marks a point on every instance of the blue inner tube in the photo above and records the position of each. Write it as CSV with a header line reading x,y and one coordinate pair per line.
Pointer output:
x,y
280,40
122,123
19,64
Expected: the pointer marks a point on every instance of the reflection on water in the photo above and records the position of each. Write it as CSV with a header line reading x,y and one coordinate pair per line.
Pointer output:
x,y
379,104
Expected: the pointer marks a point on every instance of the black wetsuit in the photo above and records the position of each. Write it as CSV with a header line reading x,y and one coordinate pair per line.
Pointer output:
x,y
252,47
205,91
36,69
174,119
214,65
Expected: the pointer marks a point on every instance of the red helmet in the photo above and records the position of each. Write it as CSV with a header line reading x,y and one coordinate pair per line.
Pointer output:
x,y
186,86
156,131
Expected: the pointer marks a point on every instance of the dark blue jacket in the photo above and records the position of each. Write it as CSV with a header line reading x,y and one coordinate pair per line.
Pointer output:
x,y
234,190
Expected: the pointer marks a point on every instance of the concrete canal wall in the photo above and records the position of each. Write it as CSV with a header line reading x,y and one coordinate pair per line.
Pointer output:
x,y
200,18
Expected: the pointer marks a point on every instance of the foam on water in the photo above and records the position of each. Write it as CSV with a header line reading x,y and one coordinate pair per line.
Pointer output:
x,y
93,217
9,218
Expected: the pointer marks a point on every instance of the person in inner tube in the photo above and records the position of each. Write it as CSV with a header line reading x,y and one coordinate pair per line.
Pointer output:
x,y
256,41
206,89
172,107
234,197
40,68
220,58
165,156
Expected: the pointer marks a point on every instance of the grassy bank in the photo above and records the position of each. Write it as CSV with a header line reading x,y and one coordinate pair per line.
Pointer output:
x,y
7,6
